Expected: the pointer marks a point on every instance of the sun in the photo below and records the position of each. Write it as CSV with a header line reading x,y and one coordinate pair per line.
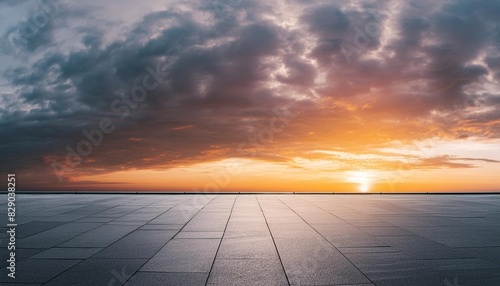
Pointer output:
x,y
363,179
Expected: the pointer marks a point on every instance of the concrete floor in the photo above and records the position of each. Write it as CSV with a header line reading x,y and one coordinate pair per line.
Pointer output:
x,y
358,240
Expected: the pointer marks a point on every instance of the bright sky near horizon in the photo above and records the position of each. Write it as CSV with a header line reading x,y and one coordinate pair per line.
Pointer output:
x,y
240,95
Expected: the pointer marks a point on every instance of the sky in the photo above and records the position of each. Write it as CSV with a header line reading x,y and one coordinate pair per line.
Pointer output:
x,y
240,95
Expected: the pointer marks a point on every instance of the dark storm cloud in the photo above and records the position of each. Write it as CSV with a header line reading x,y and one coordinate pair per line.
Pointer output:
x,y
35,31
229,65
494,65
439,53
213,89
12,2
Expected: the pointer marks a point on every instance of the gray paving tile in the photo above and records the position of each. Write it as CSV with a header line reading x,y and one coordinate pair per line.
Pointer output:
x,y
142,215
101,236
175,216
368,249
34,227
488,253
21,254
117,211
482,277
138,244
161,226
129,223
63,218
247,272
385,230
348,236
316,263
76,227
474,221
368,222
46,239
316,216
96,219
37,270
208,221
291,230
247,248
241,227
461,264
198,234
184,255
422,248
22,284
403,221
98,272
167,279
394,269
370,284
427,278
67,253
461,236
380,240
56,235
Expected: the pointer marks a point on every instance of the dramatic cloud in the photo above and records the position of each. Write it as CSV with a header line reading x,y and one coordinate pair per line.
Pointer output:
x,y
190,81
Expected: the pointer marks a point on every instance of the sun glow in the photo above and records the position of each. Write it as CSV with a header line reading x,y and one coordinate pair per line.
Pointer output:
x,y
363,179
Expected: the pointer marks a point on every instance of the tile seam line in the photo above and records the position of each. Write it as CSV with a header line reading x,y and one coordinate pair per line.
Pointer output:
x,y
349,223
46,217
81,260
127,213
220,243
147,260
371,281
274,242
44,283
56,246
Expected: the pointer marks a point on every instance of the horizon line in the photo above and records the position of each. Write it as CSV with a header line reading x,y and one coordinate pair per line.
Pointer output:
x,y
249,193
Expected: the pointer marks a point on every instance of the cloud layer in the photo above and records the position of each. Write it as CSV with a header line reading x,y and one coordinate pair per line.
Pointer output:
x,y
353,76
